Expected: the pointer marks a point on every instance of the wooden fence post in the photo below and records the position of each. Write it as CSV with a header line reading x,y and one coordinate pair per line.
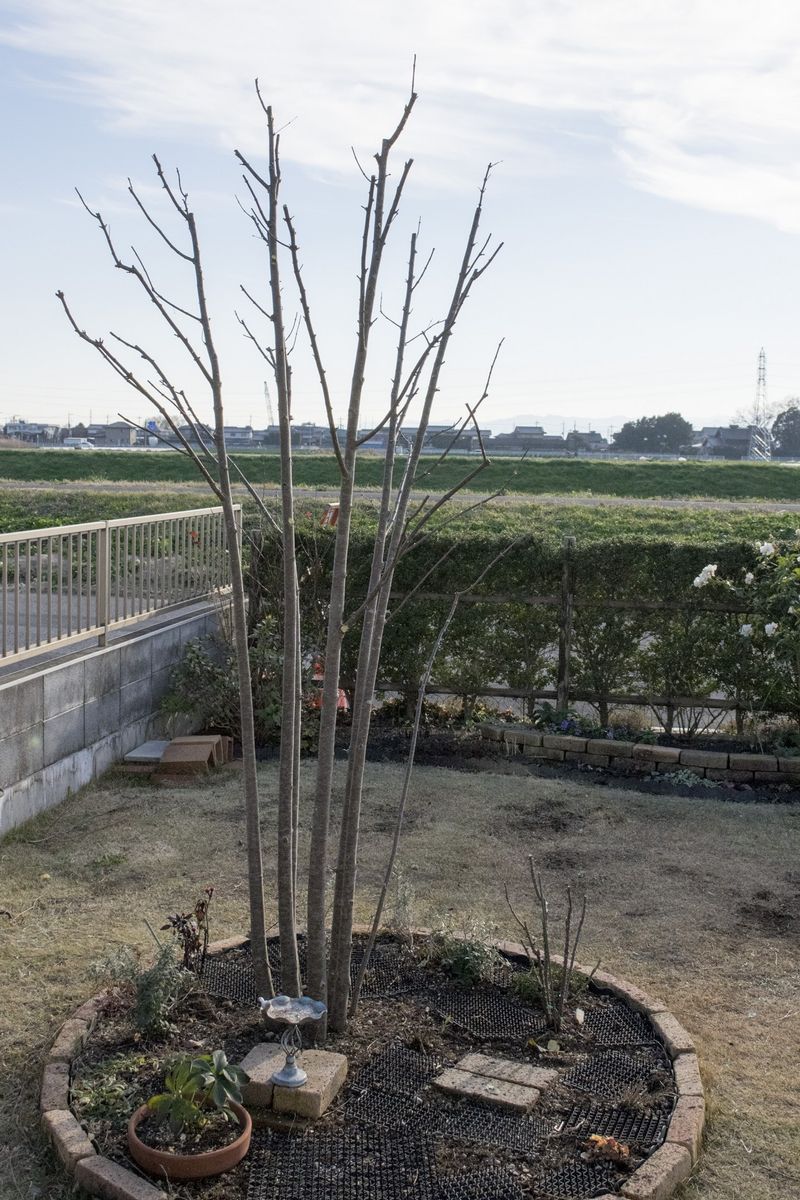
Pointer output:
x,y
565,622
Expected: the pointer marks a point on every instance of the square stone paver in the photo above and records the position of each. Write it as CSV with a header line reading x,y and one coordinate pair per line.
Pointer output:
x,y
149,753
507,1069
261,1064
326,1072
501,1092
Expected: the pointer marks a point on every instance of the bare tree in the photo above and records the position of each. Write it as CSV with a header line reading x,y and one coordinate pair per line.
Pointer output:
x,y
173,404
402,523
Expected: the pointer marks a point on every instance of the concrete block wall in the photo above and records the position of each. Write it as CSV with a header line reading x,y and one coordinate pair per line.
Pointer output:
x,y
63,725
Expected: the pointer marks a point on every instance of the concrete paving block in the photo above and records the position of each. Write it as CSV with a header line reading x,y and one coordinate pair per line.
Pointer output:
x,y
703,758
508,1069
135,661
672,1034
515,1096
69,1140
55,1086
103,673
687,1075
99,1176
70,1038
686,1124
149,753
21,705
326,1072
261,1064
658,1177
64,688
63,735
102,717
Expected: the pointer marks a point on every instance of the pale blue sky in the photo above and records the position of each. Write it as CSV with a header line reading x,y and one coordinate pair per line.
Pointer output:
x,y
648,192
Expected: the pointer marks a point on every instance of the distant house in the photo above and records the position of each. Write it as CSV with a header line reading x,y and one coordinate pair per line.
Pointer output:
x,y
32,432
530,438
722,441
118,433
590,441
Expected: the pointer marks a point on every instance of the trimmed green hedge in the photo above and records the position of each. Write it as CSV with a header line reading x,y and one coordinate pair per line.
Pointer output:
x,y
685,652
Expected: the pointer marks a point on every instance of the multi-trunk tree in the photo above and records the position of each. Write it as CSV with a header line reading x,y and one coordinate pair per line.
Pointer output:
x,y
403,521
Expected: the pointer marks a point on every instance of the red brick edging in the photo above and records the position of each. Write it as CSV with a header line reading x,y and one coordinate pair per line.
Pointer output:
x,y
633,757
655,1179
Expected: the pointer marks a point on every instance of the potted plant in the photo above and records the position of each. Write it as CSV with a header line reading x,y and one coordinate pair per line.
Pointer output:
x,y
197,1126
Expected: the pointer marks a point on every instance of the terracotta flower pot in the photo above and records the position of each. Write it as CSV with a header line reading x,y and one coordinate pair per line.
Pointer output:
x,y
189,1166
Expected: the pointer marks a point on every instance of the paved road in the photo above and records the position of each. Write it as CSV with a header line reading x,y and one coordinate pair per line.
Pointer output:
x,y
515,498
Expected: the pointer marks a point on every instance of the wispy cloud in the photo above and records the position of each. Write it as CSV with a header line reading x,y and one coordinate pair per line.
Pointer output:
x,y
697,101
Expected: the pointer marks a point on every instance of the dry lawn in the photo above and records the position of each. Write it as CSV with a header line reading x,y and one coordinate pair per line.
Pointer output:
x,y
696,900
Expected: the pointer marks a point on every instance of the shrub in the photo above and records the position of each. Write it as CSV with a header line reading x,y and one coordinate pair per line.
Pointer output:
x,y
158,989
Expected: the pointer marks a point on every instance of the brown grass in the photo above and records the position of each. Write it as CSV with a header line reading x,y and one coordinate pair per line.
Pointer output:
x,y
696,900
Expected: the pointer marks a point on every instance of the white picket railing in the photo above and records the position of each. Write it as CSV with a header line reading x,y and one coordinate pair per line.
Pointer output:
x,y
62,584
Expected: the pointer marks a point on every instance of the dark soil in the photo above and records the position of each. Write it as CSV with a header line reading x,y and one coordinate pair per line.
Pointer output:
x,y
118,1070
215,1132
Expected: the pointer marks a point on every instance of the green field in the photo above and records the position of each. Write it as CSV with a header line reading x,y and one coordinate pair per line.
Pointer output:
x,y
639,480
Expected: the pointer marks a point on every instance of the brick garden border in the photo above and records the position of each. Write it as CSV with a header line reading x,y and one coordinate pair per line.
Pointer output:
x,y
655,1179
636,757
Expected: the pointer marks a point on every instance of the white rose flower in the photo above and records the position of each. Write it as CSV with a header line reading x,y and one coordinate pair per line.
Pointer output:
x,y
706,575
767,549
771,628
749,577
746,630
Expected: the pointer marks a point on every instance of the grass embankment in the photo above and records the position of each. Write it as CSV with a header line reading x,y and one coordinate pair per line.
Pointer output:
x,y
37,509
696,900
645,480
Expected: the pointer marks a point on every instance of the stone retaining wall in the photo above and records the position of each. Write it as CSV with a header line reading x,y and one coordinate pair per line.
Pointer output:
x,y
62,726
655,1179
638,757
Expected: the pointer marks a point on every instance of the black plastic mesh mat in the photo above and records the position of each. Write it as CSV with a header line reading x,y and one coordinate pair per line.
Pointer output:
x,y
644,1129
485,1183
615,1024
230,979
360,1164
505,969
234,979
488,1016
397,1070
386,1110
611,1074
392,971
577,1180
484,1125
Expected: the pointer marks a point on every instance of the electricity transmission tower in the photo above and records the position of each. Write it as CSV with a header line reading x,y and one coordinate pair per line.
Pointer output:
x,y
760,437
267,398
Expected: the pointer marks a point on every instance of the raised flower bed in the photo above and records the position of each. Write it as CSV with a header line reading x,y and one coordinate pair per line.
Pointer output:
x,y
717,765
453,1092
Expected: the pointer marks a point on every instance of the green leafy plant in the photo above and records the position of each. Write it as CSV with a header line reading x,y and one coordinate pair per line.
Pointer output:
x,y
158,989
194,1088
468,957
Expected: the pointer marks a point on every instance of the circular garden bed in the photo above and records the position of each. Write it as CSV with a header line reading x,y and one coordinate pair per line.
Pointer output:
x,y
453,1092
